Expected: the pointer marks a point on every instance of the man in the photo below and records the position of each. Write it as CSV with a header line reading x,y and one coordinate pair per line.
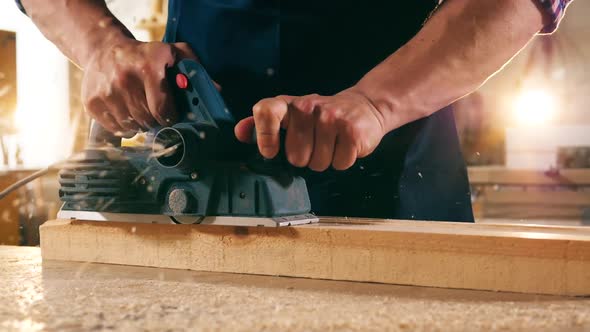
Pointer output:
x,y
362,88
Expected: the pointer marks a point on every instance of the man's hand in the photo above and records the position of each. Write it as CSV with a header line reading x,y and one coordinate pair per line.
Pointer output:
x,y
458,48
124,86
321,130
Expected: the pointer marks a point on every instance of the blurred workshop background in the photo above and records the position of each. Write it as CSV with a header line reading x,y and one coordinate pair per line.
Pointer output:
x,y
525,133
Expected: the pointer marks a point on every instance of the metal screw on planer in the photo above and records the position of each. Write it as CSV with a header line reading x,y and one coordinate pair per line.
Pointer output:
x,y
194,175
142,181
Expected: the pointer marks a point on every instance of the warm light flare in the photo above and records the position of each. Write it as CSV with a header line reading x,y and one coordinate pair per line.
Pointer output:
x,y
535,107
44,127
44,136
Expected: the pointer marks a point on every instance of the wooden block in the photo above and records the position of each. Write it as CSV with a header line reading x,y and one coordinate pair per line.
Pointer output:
x,y
515,258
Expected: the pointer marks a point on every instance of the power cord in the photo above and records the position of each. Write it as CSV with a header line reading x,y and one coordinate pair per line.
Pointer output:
x,y
26,180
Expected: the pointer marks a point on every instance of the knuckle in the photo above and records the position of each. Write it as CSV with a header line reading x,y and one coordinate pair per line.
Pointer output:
x,y
92,103
314,97
261,104
304,105
260,110
265,111
166,52
328,115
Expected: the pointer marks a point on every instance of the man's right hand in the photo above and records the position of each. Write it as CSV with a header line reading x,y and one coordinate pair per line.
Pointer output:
x,y
124,86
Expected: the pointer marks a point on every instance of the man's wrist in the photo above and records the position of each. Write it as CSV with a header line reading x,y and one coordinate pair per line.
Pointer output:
x,y
108,33
394,106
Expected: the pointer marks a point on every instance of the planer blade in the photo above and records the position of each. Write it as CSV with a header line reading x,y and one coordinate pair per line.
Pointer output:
x,y
248,221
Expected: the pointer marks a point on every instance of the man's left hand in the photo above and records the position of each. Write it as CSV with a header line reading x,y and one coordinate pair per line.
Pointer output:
x,y
321,131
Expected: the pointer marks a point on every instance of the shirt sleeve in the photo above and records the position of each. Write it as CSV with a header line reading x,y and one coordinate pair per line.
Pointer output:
x,y
554,11
20,6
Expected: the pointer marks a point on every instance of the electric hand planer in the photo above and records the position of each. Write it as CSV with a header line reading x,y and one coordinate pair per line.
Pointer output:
x,y
186,173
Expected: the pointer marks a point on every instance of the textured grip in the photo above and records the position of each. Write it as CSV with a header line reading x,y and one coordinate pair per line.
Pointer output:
x,y
199,100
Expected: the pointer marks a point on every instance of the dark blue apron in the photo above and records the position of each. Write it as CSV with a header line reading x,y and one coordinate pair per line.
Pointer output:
x,y
261,48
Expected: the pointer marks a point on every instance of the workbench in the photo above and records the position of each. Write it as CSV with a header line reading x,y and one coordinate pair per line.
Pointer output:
x,y
69,296
527,194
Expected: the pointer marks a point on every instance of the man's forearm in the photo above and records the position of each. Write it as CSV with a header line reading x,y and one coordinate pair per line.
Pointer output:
x,y
77,28
461,46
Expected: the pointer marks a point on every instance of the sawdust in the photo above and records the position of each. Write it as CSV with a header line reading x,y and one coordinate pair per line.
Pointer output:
x,y
65,296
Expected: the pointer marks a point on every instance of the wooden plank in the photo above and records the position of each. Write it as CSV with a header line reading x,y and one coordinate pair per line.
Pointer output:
x,y
486,175
550,222
530,211
541,198
527,259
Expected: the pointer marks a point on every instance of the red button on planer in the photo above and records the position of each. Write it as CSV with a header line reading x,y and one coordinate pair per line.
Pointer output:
x,y
181,81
